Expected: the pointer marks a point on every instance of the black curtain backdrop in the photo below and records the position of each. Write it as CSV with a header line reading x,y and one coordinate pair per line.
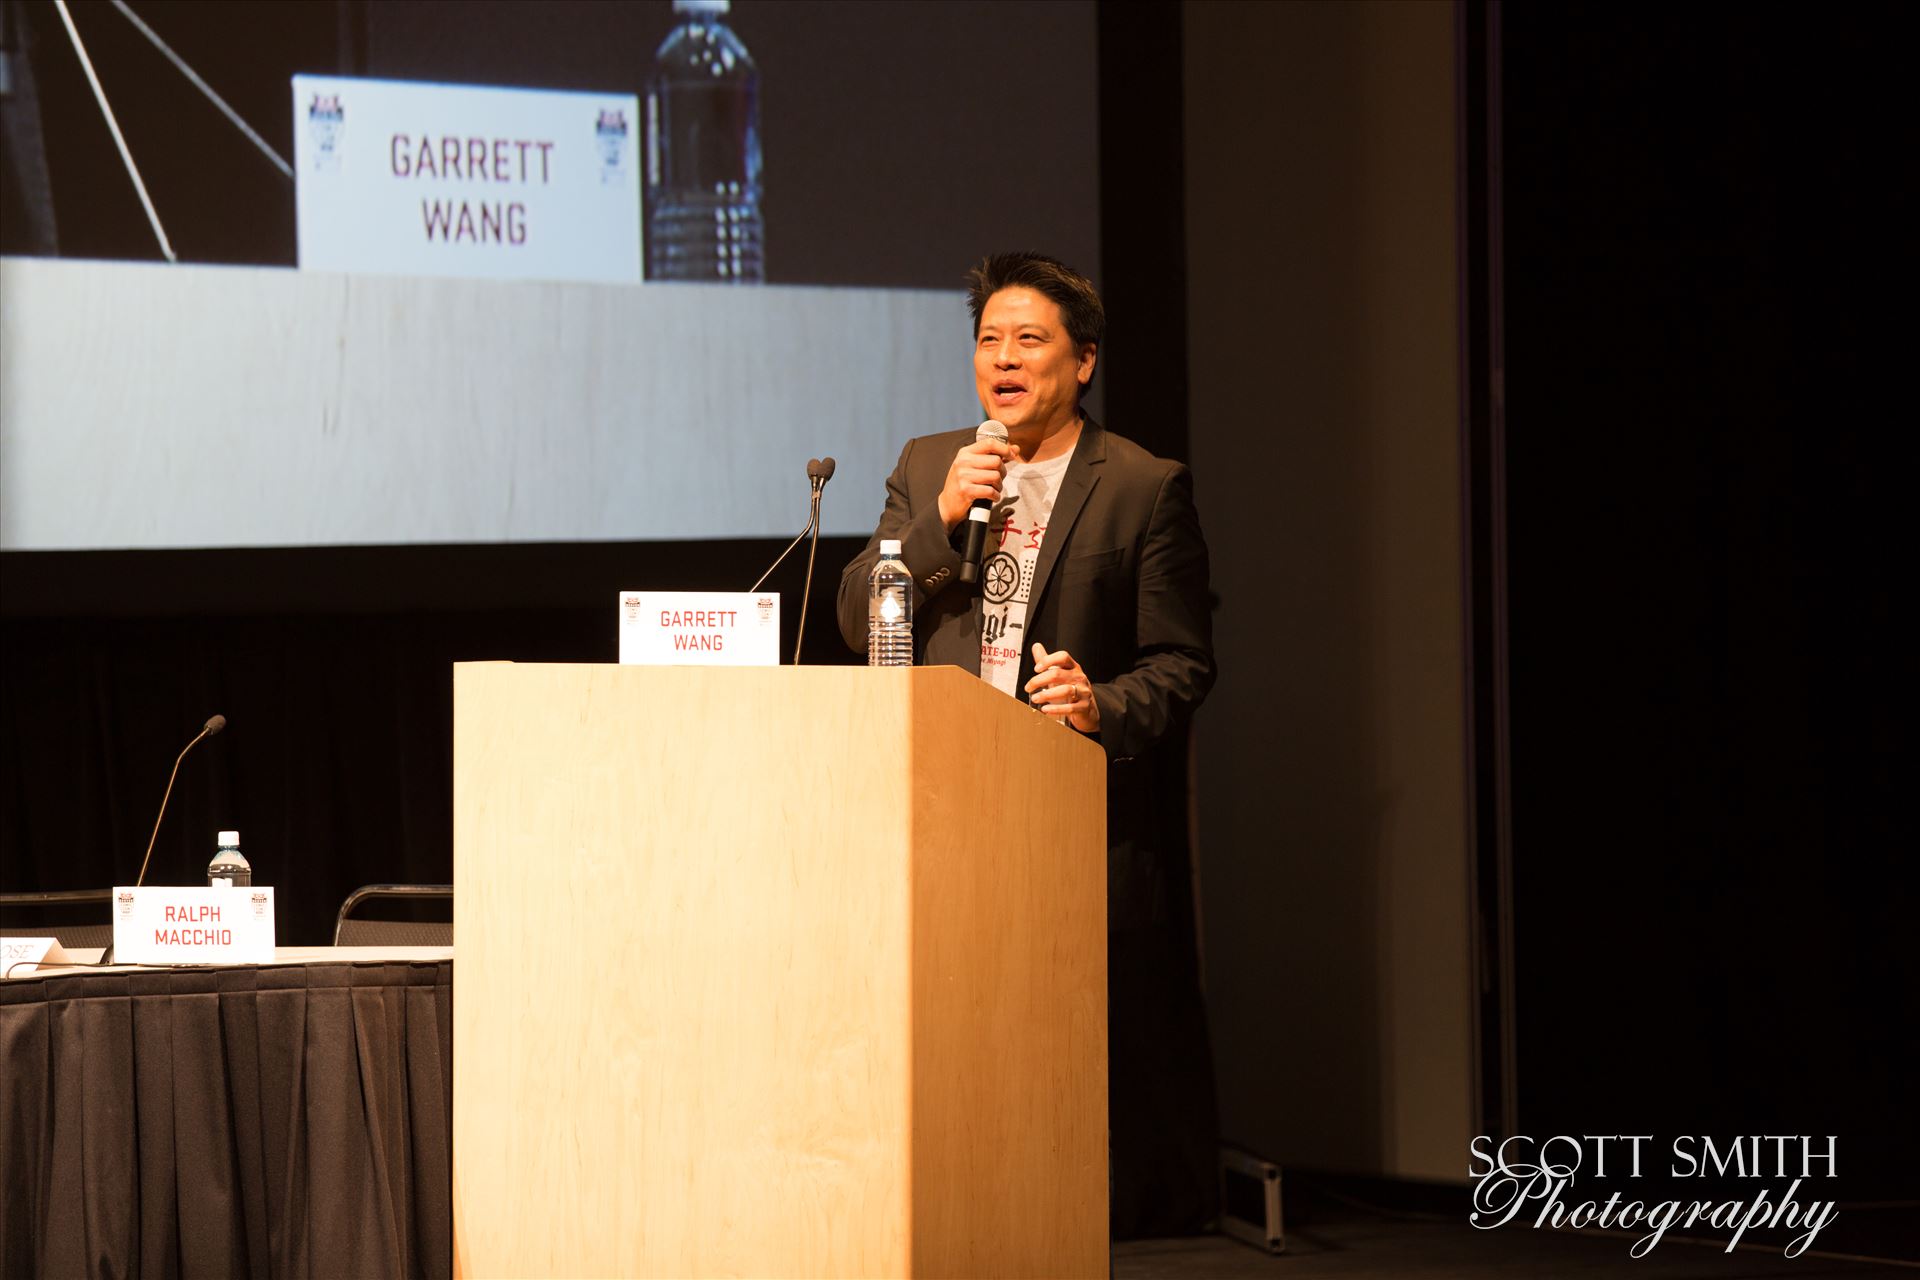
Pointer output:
x,y
1712,845
333,667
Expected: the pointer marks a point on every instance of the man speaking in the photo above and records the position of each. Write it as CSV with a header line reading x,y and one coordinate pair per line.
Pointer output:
x,y
1092,604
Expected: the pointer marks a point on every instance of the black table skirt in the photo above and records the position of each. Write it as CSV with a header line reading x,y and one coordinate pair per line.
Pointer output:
x,y
292,1120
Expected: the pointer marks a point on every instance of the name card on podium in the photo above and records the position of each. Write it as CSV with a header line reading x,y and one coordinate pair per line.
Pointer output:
x,y
700,628
163,924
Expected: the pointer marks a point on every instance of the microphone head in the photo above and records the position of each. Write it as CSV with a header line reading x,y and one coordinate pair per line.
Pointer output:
x,y
820,469
991,430
214,725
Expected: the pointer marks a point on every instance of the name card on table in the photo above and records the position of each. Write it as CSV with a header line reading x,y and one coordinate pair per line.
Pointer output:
x,y
162,924
700,628
22,956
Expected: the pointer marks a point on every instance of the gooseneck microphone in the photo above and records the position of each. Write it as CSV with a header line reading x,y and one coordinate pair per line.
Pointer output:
x,y
980,512
213,725
819,471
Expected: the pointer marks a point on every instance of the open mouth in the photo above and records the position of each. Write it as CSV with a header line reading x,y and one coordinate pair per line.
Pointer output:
x,y
1006,390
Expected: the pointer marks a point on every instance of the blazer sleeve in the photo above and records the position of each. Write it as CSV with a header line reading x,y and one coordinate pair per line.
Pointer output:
x,y
1173,629
925,545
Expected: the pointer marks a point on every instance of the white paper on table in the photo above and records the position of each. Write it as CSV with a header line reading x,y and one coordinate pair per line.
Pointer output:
x,y
22,956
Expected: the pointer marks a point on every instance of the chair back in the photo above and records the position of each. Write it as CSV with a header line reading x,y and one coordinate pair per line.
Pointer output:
x,y
76,917
368,917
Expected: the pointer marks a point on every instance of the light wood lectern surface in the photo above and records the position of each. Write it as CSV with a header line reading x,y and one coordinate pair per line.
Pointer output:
x,y
775,972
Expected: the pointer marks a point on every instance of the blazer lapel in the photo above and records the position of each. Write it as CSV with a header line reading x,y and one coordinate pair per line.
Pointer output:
x,y
1083,473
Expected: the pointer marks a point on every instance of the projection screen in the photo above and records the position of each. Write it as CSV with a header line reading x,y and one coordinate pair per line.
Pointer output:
x,y
215,403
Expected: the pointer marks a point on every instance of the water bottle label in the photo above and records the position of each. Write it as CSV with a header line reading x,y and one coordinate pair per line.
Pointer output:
x,y
890,616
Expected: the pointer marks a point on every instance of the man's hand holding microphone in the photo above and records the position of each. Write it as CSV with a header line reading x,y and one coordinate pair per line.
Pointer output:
x,y
976,474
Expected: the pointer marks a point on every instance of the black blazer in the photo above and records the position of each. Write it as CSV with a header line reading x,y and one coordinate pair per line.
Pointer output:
x,y
1121,582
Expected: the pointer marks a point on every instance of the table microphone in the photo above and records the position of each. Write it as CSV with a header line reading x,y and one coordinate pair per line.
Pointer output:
x,y
980,512
213,725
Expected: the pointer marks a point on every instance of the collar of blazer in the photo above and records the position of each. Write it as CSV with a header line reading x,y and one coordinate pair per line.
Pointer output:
x,y
1083,473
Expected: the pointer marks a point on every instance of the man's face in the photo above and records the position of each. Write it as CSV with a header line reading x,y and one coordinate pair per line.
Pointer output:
x,y
1025,367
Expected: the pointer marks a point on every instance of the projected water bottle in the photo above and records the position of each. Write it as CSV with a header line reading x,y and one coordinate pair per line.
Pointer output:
x,y
703,153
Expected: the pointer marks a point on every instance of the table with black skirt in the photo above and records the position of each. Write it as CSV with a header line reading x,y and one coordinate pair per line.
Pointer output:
x,y
292,1119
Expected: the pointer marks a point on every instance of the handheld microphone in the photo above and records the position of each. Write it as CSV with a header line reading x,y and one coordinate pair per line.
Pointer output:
x,y
980,512
213,725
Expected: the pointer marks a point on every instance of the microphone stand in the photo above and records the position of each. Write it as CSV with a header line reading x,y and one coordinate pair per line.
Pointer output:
x,y
819,471
213,725
806,593
791,545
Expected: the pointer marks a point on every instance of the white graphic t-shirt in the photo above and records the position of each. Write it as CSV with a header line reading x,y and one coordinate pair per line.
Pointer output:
x,y
1014,534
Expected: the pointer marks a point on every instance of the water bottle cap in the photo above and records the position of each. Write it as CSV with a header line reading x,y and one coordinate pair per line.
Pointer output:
x,y
889,546
700,6
229,838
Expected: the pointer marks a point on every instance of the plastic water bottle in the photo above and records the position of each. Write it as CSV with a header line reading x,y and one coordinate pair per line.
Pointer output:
x,y
703,153
228,868
890,609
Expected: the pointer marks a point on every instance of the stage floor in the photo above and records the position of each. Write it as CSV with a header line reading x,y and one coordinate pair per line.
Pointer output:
x,y
1327,1239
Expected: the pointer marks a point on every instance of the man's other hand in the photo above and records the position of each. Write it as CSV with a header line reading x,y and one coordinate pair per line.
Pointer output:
x,y
1061,689
975,474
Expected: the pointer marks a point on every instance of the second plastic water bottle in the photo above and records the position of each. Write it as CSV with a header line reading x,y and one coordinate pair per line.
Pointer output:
x,y
890,609
703,153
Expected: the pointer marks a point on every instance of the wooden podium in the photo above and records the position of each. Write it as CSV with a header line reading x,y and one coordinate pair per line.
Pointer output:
x,y
775,972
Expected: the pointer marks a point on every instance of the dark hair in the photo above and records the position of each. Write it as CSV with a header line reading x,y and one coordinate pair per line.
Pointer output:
x,y
1073,293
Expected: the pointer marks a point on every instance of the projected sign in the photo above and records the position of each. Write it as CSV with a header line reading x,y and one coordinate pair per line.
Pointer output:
x,y
453,180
